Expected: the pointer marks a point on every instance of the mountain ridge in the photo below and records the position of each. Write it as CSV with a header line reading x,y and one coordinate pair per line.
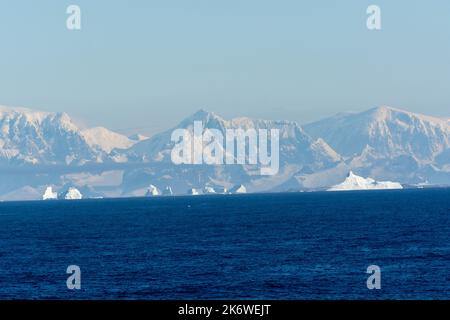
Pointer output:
x,y
387,130
384,143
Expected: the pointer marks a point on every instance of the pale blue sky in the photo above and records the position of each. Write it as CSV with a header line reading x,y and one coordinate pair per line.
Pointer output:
x,y
148,64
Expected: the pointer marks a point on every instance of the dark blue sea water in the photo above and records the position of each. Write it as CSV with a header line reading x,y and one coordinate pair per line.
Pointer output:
x,y
265,246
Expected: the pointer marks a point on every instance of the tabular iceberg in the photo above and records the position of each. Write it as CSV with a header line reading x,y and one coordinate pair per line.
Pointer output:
x,y
355,182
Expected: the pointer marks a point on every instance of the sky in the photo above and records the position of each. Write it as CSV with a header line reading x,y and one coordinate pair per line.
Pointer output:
x,y
143,66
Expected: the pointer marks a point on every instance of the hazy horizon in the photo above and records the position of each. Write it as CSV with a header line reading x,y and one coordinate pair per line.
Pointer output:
x,y
83,124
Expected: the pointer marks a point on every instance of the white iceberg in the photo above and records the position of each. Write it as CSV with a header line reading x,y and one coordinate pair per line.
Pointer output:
x,y
355,182
209,190
193,192
49,194
239,189
152,191
72,194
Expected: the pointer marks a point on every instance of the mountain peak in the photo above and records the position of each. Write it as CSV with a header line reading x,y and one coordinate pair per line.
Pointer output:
x,y
202,111
105,139
384,108
383,112
201,115
29,114
37,137
390,132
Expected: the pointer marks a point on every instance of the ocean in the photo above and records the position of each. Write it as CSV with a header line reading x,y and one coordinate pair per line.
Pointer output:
x,y
254,246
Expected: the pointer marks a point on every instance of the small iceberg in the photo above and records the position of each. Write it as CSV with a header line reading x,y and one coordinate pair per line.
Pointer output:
x,y
209,190
239,189
355,182
49,194
72,194
152,191
193,192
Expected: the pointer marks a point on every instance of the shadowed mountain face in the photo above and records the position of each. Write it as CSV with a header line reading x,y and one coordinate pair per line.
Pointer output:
x,y
295,144
40,148
30,138
298,152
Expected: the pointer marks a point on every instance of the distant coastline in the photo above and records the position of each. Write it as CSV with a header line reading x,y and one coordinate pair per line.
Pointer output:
x,y
41,149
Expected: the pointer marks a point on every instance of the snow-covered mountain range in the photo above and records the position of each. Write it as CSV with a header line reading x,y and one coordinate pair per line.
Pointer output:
x,y
298,153
388,132
390,144
40,149
31,137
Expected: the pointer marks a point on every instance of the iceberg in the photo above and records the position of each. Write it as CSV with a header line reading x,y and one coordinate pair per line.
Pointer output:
x,y
239,189
152,191
49,194
355,182
193,192
72,194
209,190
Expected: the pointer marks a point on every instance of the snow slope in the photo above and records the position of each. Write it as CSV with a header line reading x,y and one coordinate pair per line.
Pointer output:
x,y
34,137
106,140
389,132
